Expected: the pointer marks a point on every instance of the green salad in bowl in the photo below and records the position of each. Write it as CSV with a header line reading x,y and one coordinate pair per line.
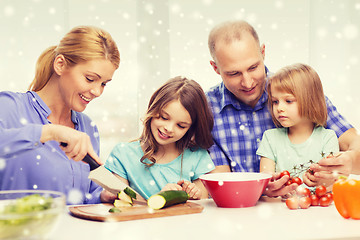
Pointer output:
x,y
29,214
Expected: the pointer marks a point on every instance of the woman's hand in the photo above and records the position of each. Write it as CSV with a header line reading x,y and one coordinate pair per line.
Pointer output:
x,y
191,189
276,186
78,143
106,196
333,166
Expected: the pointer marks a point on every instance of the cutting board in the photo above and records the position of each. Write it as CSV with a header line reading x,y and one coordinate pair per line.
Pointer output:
x,y
140,210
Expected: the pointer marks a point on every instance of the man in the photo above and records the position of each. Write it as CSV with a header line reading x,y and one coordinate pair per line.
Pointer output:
x,y
239,105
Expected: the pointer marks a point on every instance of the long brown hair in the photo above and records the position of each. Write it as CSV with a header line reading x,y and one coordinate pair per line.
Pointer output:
x,y
304,83
192,97
81,44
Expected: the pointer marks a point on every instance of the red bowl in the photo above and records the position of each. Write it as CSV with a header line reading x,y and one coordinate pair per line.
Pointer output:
x,y
235,189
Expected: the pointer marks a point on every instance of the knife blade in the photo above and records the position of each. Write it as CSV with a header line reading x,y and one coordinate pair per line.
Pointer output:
x,y
104,177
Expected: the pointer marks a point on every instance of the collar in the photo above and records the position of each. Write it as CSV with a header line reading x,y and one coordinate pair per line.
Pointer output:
x,y
44,110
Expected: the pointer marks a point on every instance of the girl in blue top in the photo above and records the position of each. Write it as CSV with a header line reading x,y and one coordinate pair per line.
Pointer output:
x,y
298,109
67,78
171,152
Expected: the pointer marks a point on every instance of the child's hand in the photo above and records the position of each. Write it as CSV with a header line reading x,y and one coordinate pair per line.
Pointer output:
x,y
171,186
189,187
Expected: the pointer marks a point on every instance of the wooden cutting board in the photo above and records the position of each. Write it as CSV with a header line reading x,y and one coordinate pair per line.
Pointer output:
x,y
140,210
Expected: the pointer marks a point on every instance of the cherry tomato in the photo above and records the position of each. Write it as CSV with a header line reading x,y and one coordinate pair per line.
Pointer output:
x,y
303,191
289,182
283,173
320,191
330,196
324,201
304,202
314,200
297,180
292,203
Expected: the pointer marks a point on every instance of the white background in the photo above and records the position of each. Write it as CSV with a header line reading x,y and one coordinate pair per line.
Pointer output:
x,y
159,39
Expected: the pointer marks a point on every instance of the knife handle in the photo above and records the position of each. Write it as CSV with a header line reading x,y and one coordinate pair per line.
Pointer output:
x,y
88,159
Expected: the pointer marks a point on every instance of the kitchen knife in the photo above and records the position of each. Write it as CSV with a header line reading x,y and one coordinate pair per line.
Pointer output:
x,y
103,177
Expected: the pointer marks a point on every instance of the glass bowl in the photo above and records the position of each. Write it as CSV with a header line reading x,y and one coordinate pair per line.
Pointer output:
x,y
29,214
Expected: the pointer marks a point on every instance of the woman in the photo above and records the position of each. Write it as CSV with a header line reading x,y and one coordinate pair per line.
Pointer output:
x,y
32,124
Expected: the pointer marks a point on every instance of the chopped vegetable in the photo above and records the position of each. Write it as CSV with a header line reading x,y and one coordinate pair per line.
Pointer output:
x,y
167,198
121,203
123,196
114,210
130,192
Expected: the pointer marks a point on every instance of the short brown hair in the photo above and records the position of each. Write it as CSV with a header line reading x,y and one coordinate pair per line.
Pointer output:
x,y
304,83
229,31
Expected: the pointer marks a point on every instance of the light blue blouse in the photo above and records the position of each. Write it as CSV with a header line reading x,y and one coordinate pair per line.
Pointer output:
x,y
26,163
124,160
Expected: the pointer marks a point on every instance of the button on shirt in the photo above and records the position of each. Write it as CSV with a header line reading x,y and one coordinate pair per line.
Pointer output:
x,y
26,163
238,128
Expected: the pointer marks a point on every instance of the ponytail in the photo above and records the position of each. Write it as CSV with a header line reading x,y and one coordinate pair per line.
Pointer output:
x,y
44,69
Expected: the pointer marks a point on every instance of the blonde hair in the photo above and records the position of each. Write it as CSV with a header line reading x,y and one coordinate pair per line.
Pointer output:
x,y
228,32
81,44
304,83
192,97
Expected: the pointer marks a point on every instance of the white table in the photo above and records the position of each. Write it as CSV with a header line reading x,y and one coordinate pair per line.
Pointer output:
x,y
269,219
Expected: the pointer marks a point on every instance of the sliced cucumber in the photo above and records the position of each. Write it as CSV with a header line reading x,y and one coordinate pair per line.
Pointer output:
x,y
123,196
167,198
121,203
130,192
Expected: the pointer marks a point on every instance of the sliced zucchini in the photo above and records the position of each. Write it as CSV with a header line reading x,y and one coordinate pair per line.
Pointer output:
x,y
118,203
130,192
167,198
114,210
123,196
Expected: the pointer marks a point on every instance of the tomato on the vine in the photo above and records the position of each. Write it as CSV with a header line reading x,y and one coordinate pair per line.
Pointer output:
x,y
324,201
304,202
303,191
330,196
314,200
320,191
283,173
296,180
292,203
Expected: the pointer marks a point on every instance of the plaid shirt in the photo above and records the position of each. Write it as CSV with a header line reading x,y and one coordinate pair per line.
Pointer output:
x,y
238,128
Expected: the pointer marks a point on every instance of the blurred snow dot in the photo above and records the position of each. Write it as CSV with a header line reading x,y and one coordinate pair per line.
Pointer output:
x,y
279,4
6,149
88,196
357,6
2,164
324,56
142,39
23,121
9,11
157,32
207,2
20,53
126,15
264,211
37,163
52,10
96,134
338,35
210,165
160,22
38,157
333,19
242,127
191,174
288,45
175,8
110,159
152,182
26,232
74,197
274,26
57,28
92,124
234,132
34,99
221,183
53,150
350,31
233,164
35,186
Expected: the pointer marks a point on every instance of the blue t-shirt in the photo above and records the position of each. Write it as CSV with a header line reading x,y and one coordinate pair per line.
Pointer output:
x,y
124,160
26,163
